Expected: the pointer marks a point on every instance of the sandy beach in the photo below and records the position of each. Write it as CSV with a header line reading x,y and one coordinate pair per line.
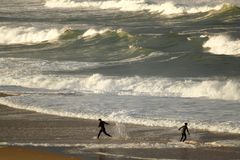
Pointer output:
x,y
15,153
25,133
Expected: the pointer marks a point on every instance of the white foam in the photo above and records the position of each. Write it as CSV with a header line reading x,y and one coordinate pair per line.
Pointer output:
x,y
97,83
93,32
223,45
61,4
90,33
203,36
205,8
109,145
224,143
28,35
167,8
93,4
153,86
137,145
214,89
140,145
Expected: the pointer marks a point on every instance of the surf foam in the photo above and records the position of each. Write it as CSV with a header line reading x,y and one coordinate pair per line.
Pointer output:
x,y
90,107
224,143
93,32
223,45
28,35
61,4
146,145
90,33
153,86
167,8
97,146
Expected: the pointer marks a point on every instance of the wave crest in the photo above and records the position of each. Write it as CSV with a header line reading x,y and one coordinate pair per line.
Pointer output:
x,y
94,32
28,35
167,8
223,45
153,86
61,4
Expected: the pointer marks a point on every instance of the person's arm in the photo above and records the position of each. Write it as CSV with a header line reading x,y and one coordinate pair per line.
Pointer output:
x,y
99,125
180,128
106,123
188,131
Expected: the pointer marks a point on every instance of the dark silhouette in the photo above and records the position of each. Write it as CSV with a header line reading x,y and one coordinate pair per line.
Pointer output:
x,y
101,124
184,135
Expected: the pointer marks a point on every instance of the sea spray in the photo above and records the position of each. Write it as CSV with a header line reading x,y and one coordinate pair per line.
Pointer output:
x,y
120,131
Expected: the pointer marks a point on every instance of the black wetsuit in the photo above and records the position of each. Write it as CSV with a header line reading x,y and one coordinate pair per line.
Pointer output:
x,y
184,135
101,124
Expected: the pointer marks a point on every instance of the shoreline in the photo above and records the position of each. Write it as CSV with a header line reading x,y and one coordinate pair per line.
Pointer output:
x,y
77,137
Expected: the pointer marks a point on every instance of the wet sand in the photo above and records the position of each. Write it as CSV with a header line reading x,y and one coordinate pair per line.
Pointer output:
x,y
23,153
24,130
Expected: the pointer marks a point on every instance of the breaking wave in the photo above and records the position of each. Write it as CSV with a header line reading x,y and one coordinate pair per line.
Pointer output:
x,y
223,45
94,32
152,86
167,8
31,35
28,35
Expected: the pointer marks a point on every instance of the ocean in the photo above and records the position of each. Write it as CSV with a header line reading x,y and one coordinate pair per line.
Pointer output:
x,y
147,62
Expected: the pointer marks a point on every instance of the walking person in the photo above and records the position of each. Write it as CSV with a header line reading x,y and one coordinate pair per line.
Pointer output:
x,y
102,125
184,135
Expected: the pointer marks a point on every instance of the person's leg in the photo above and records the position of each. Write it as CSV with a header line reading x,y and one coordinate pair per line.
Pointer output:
x,y
104,131
181,138
185,137
99,133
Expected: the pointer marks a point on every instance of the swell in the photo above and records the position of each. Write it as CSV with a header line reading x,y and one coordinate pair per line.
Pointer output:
x,y
112,44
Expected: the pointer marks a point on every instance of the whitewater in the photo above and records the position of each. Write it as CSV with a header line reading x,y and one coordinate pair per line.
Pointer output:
x,y
153,63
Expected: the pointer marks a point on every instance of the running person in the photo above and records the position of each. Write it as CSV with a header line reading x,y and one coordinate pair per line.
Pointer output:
x,y
101,124
184,135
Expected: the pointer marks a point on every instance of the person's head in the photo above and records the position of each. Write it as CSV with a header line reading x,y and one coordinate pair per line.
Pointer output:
x,y
185,124
100,119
